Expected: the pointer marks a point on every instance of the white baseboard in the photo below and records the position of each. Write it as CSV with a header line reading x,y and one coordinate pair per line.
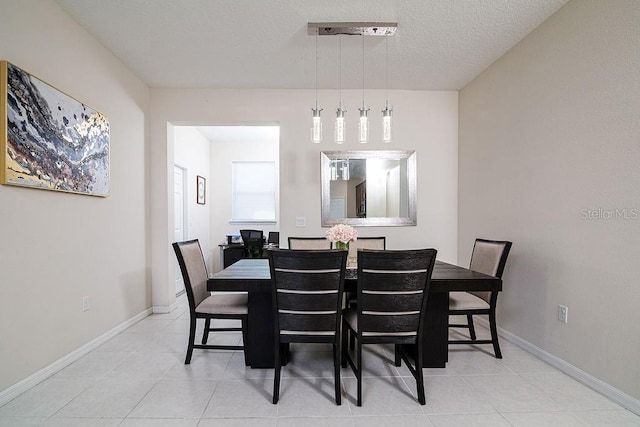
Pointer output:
x,y
162,309
17,389
607,390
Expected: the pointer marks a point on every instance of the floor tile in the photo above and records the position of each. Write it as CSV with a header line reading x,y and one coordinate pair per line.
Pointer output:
x,y
383,396
310,397
107,398
238,422
511,393
95,364
145,365
175,399
476,420
159,422
473,362
609,418
82,422
543,419
204,365
241,398
568,393
393,421
452,395
46,398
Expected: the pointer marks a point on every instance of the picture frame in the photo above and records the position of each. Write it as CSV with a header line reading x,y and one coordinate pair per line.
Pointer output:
x,y
201,190
48,139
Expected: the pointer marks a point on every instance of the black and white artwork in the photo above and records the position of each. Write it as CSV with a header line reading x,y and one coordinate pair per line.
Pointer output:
x,y
50,140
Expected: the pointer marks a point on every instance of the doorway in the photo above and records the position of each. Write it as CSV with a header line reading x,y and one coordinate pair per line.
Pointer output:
x,y
180,227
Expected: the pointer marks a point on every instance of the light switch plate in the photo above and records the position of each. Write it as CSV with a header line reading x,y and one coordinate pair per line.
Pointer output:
x,y
301,221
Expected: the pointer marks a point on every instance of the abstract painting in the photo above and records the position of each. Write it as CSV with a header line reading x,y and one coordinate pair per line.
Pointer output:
x,y
49,140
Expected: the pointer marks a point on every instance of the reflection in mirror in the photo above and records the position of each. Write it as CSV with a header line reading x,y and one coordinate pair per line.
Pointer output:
x,y
368,188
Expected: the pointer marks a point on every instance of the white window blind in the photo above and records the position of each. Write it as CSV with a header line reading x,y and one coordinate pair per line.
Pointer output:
x,y
253,191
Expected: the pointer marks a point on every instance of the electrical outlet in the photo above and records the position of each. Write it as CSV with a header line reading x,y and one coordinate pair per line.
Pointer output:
x,y
301,221
563,313
85,303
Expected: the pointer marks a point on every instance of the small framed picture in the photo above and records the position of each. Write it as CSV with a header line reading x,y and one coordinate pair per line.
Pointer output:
x,y
201,190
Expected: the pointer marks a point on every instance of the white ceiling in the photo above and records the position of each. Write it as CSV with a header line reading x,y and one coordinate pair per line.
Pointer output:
x,y
439,44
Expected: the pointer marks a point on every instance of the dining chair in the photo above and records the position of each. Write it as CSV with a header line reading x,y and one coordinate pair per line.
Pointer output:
x,y
253,241
393,287
307,243
307,289
202,304
488,257
379,243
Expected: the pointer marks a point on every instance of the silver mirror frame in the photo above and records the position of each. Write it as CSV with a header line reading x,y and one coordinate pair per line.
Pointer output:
x,y
325,162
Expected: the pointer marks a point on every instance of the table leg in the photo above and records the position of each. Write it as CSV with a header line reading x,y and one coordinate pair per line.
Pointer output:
x,y
435,345
261,335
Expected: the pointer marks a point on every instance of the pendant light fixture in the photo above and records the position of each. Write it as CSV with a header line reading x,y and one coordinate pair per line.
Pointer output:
x,y
386,113
363,126
316,124
360,29
339,134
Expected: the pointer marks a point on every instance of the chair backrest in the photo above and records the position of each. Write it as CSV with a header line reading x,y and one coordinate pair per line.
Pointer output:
x,y
307,288
194,271
308,243
253,241
379,243
489,257
274,237
393,287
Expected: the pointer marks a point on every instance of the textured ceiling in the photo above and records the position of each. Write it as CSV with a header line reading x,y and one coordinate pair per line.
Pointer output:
x,y
439,44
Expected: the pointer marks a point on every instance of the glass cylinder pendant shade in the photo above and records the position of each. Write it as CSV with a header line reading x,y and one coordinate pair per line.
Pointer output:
x,y
386,124
316,127
363,127
339,130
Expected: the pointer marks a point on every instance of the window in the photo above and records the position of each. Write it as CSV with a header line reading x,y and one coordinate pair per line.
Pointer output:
x,y
253,191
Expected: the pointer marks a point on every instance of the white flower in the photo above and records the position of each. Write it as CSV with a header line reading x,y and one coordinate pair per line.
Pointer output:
x,y
342,233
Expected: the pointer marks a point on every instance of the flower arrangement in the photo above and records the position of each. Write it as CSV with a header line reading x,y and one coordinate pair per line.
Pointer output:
x,y
341,235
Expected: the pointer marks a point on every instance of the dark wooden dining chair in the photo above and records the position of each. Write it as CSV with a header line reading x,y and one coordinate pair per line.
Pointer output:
x,y
488,257
309,243
379,243
393,287
202,304
253,241
307,303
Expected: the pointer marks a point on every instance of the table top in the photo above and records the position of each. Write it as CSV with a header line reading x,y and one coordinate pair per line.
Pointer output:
x,y
248,273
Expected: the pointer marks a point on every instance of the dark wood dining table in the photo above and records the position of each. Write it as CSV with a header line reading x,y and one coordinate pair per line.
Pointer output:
x,y
252,276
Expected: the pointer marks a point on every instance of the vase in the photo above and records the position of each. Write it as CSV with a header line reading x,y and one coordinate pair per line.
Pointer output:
x,y
342,245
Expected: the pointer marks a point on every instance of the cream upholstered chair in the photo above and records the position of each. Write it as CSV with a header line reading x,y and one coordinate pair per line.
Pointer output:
x,y
203,305
309,243
393,287
379,243
307,288
488,257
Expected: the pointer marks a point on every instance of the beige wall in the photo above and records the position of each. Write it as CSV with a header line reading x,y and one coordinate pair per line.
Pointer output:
x,y
58,247
547,133
425,121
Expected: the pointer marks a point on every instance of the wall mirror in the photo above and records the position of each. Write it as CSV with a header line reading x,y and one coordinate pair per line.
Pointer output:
x,y
368,188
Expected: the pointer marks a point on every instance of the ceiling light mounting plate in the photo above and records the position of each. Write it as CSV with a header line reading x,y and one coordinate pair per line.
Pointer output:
x,y
352,28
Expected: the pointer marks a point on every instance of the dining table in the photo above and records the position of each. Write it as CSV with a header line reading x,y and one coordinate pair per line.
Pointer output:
x,y
252,275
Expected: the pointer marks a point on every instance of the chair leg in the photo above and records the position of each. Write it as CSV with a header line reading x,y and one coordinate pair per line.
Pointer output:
x,y
245,339
359,372
336,372
419,376
494,334
276,378
345,333
192,338
472,329
398,356
205,333
352,340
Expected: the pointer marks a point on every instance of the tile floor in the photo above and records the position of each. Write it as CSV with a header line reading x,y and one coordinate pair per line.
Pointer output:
x,y
138,379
